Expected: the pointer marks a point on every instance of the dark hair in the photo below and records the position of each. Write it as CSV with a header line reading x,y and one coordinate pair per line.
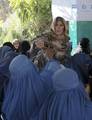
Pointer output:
x,y
9,44
24,47
85,45
59,18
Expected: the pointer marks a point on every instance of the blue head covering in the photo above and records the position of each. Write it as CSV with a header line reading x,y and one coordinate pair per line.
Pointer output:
x,y
68,100
4,51
81,63
64,79
0,51
51,67
25,92
6,56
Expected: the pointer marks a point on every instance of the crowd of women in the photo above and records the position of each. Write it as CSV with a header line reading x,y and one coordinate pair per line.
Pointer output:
x,y
45,82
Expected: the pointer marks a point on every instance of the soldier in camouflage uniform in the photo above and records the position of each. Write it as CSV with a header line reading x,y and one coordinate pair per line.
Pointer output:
x,y
60,40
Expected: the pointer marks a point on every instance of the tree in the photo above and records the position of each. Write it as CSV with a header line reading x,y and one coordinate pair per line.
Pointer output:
x,y
25,19
35,15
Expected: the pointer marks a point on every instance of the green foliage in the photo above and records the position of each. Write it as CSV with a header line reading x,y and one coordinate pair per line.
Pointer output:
x,y
27,19
35,15
11,28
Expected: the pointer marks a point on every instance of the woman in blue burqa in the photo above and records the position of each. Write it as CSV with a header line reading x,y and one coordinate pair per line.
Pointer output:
x,y
81,62
68,99
26,92
6,55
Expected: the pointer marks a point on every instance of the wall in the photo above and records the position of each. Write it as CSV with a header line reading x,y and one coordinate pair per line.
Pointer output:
x,y
84,29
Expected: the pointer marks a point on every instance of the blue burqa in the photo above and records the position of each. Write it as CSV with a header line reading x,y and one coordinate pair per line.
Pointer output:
x,y
25,93
82,64
6,56
50,68
68,99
